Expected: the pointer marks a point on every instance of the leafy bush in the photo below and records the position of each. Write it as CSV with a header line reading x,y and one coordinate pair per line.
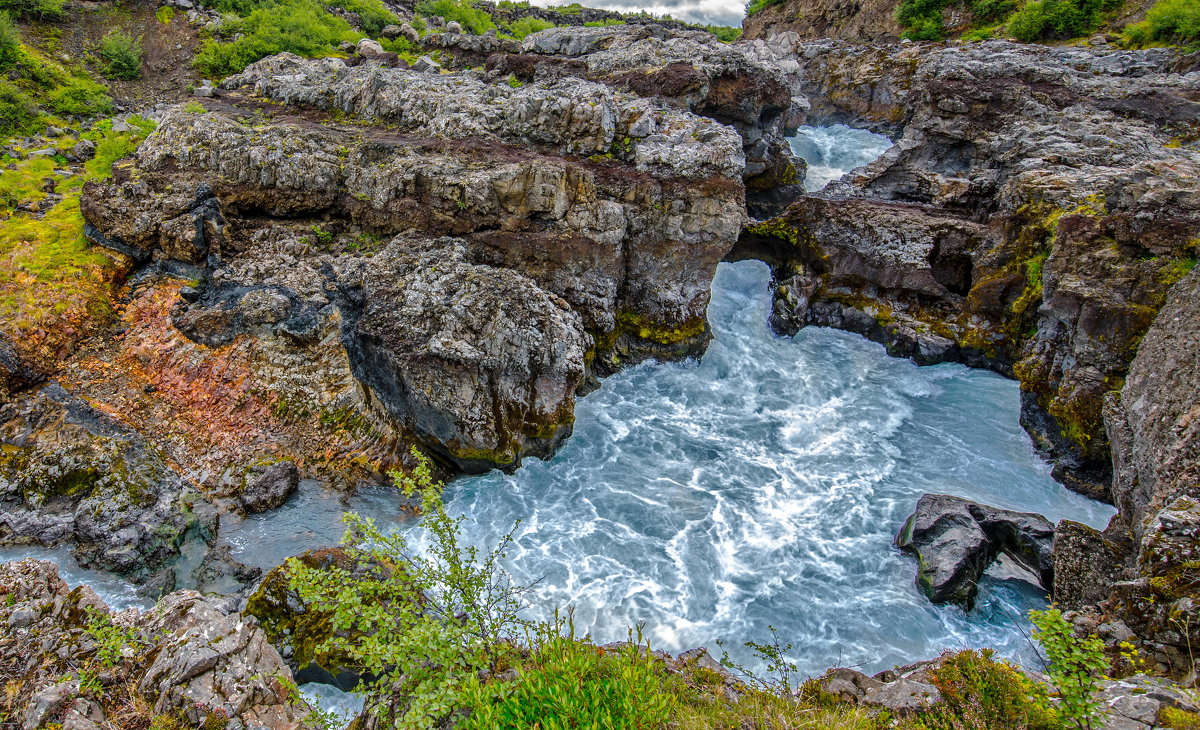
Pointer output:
x,y
372,14
979,692
10,42
1057,19
520,28
991,11
1168,21
16,111
302,27
36,8
472,18
922,19
80,96
165,14
1075,666
122,54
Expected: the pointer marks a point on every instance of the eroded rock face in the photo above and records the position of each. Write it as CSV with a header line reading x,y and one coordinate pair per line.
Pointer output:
x,y
955,540
1033,213
551,231
686,68
70,474
1154,425
189,656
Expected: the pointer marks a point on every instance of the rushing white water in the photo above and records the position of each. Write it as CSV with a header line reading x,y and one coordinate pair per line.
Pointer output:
x,y
835,150
117,593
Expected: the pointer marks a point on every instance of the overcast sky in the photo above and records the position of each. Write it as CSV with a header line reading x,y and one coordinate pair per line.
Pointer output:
x,y
717,12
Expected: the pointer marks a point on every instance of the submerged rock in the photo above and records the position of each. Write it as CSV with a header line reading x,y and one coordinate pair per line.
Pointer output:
x,y
955,540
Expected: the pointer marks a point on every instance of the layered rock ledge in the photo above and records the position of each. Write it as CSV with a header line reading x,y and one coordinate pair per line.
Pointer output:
x,y
1036,208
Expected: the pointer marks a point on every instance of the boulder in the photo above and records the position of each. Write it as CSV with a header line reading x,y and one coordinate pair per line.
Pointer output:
x,y
368,48
954,541
268,487
84,149
454,27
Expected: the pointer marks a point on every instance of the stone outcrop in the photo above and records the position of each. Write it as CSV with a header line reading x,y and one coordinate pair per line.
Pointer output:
x,y
70,474
1145,574
188,657
687,69
550,232
1034,211
955,540
860,21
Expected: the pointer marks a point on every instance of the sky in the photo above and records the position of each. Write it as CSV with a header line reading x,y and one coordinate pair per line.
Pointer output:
x,y
717,12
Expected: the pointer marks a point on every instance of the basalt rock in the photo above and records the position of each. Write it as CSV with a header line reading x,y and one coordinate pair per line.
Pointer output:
x,y
686,68
551,231
1034,211
955,540
1154,425
187,657
72,475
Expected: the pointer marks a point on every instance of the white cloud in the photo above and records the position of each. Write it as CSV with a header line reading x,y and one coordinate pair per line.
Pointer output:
x,y
717,12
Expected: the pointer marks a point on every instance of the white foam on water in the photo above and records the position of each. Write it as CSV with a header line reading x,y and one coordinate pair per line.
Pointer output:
x,y
834,150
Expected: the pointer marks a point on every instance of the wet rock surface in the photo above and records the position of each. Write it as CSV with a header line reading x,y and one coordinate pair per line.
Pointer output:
x,y
955,540
1036,208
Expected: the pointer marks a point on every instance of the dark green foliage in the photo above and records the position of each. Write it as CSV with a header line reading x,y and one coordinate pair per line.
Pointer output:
x,y
36,8
1057,19
10,42
16,111
122,54
302,27
992,11
472,18
1168,21
922,19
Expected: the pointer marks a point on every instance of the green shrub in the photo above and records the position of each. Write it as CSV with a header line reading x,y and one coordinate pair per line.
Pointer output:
x,y
992,11
10,42
922,19
470,17
122,54
603,23
980,692
37,8
165,14
1057,19
372,14
16,111
1075,667
302,27
520,28
80,96
1168,21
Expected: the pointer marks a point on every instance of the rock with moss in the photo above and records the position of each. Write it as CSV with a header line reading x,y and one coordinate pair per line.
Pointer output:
x,y
72,475
68,658
1030,218
550,231
955,540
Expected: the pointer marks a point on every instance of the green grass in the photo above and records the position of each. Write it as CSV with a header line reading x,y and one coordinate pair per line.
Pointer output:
x,y
520,28
757,6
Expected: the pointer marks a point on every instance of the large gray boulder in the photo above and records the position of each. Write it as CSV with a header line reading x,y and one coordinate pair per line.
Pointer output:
x,y
955,540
